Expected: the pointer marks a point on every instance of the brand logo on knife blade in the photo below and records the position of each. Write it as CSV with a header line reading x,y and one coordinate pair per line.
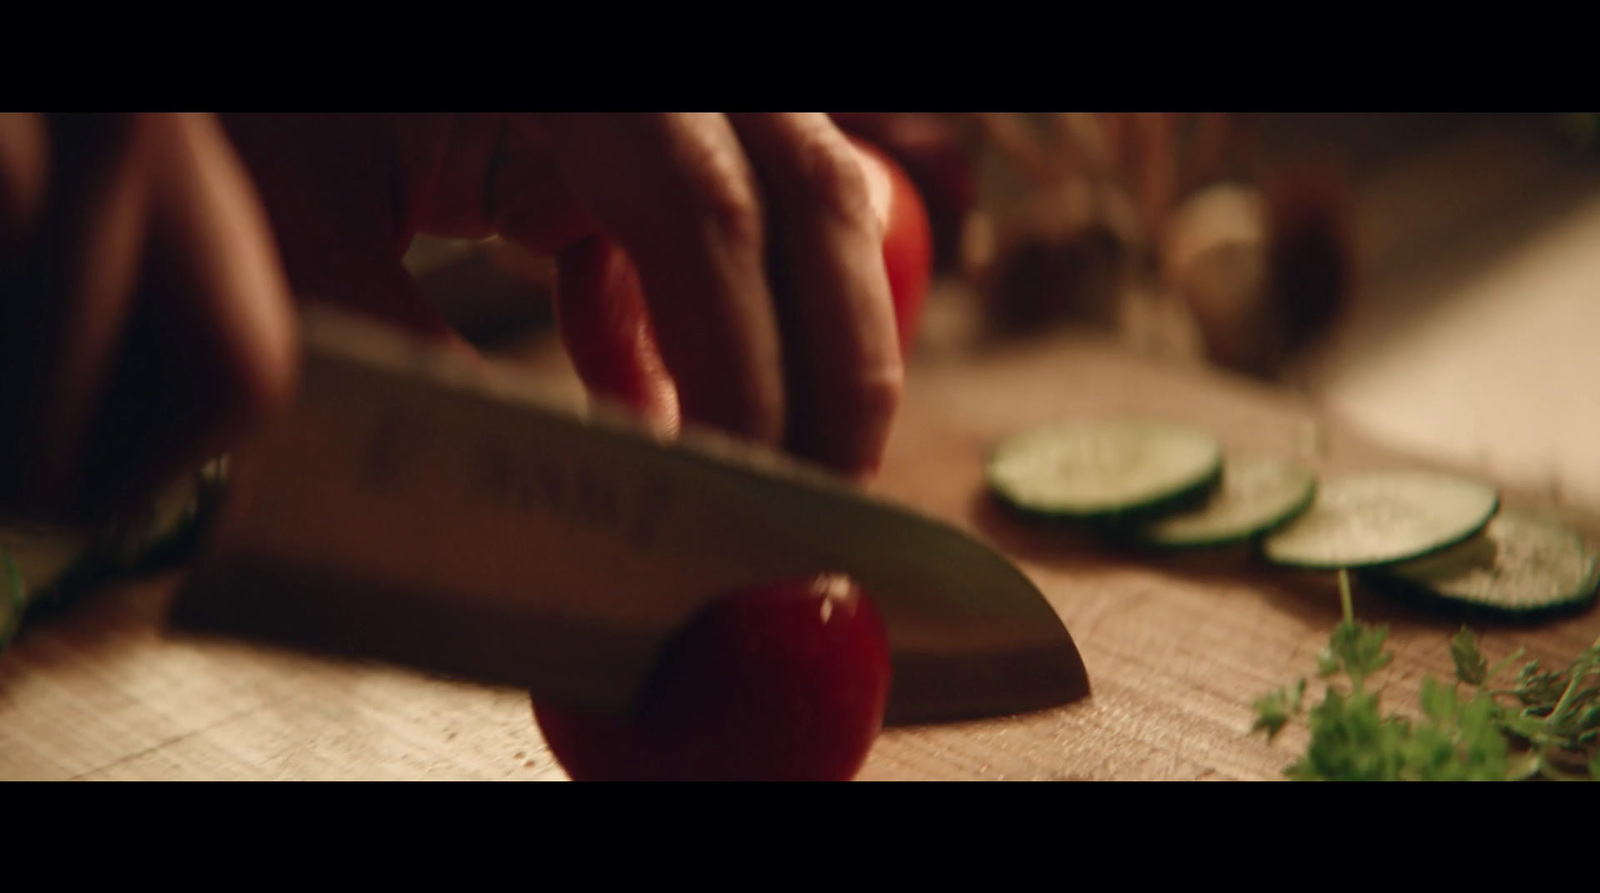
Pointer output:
x,y
627,505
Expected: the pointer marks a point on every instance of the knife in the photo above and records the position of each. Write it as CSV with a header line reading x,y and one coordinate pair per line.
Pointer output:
x,y
422,508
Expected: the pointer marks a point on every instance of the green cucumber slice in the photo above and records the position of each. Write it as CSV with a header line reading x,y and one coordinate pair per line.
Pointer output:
x,y
1257,494
1365,520
1104,469
1521,563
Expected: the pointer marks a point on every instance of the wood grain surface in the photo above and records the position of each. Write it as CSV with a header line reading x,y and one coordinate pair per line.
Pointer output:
x,y
1177,646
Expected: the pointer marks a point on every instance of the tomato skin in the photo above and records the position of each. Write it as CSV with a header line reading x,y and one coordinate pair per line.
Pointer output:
x,y
907,239
784,682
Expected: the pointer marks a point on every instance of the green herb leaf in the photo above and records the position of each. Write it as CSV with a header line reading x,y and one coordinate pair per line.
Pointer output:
x,y
1358,648
1547,725
1350,741
1327,663
1483,747
1438,701
1589,719
1274,709
1525,725
1471,668
1537,688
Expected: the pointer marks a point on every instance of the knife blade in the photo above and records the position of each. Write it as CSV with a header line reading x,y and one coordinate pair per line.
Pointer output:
x,y
452,516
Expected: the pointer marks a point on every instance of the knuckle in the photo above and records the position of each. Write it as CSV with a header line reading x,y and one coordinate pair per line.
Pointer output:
x,y
830,178
732,207
876,395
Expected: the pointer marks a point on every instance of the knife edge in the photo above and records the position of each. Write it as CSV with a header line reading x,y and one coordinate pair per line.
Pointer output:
x,y
970,633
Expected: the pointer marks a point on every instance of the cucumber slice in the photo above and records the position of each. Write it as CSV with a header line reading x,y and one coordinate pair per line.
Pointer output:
x,y
1380,518
1104,469
1257,495
1521,564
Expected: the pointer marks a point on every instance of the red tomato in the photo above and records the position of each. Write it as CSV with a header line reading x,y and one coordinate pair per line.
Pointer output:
x,y
773,683
907,237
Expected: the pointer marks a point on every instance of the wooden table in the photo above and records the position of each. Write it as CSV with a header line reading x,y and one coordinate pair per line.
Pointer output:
x,y
1177,648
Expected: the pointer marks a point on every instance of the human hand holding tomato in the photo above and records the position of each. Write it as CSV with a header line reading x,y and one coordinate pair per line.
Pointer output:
x,y
781,681
787,681
149,312
803,352
151,294
605,323
748,239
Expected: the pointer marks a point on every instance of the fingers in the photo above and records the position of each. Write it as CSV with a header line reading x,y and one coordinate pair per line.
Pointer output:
x,y
679,195
606,329
143,321
210,346
760,261
338,190
825,251
531,201
67,295
24,167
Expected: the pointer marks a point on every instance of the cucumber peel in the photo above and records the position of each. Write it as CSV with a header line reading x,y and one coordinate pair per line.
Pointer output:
x,y
1367,520
1521,564
1258,494
1104,469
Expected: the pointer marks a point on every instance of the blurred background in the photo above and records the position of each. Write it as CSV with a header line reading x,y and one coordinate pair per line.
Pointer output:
x,y
1469,334
1431,280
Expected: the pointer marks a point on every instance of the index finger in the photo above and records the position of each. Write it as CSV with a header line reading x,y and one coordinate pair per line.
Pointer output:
x,y
679,195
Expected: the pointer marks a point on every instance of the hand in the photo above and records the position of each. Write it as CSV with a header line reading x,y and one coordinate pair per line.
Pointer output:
x,y
148,321
144,317
742,246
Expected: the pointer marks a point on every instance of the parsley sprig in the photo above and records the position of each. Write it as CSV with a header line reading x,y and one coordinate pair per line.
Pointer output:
x,y
1544,724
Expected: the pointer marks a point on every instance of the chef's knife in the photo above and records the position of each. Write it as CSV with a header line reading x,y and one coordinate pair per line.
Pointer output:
x,y
420,508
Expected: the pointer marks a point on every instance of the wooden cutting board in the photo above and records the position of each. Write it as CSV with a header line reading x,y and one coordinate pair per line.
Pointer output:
x,y
1177,647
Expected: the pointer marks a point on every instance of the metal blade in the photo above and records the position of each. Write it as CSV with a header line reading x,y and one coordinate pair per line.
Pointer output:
x,y
418,508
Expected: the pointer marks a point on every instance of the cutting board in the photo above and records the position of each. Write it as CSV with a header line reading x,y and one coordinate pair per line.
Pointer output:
x,y
1177,646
